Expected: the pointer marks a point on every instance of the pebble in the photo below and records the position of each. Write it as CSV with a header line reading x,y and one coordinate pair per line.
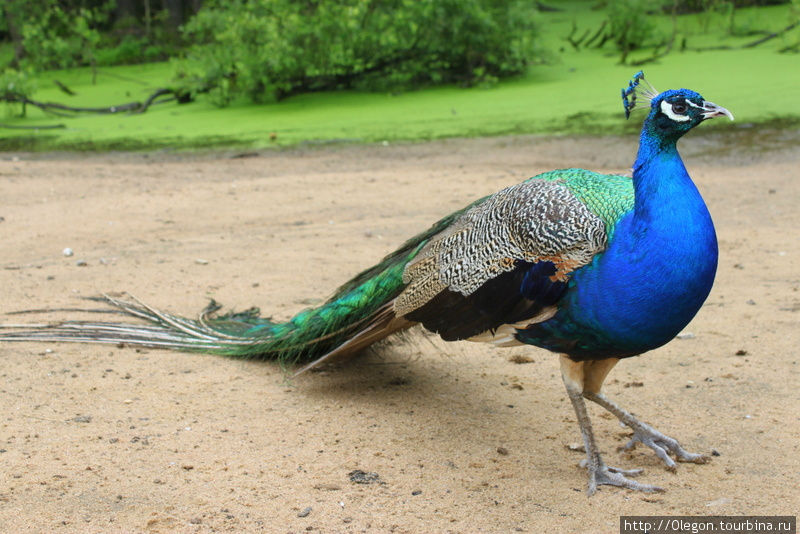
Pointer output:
x,y
304,512
502,451
201,262
362,477
67,252
81,263
718,502
328,487
685,335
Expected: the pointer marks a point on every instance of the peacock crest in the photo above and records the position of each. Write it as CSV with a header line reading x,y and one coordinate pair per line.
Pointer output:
x,y
638,88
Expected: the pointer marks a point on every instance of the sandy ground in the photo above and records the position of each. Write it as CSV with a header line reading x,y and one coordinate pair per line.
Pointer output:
x,y
107,439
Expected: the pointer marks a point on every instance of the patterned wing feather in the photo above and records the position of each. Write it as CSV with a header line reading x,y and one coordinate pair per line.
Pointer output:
x,y
501,262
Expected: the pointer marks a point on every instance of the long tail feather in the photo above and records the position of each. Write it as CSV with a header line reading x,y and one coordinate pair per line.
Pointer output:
x,y
164,330
358,314
310,335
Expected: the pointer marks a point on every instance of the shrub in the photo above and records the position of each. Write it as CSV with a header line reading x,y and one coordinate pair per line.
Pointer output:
x,y
16,86
630,25
270,49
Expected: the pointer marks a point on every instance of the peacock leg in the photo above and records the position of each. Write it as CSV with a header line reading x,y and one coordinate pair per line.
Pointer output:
x,y
599,473
644,433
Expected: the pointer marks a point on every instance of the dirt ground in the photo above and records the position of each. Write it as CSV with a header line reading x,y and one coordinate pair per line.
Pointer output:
x,y
108,439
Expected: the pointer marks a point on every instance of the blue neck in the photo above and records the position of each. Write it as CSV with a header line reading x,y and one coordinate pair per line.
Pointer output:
x,y
668,255
663,190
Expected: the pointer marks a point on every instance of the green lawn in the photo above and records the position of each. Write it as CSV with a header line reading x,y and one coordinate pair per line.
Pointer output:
x,y
578,93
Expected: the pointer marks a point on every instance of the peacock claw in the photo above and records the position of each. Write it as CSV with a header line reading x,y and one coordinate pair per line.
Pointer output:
x,y
612,476
662,445
625,472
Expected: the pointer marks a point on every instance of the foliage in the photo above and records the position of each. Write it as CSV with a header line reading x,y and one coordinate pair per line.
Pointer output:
x,y
130,51
631,25
573,96
16,86
54,34
57,38
269,49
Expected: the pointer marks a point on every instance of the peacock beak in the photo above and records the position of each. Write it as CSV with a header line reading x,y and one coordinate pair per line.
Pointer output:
x,y
711,110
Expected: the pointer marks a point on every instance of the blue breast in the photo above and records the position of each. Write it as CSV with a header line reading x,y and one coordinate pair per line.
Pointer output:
x,y
651,280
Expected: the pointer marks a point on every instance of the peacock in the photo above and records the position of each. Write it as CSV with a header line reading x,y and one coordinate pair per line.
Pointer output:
x,y
593,267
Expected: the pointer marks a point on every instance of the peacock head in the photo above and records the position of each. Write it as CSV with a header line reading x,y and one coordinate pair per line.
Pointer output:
x,y
673,112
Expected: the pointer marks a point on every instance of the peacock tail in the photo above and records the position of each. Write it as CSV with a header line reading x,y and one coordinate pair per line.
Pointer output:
x,y
312,333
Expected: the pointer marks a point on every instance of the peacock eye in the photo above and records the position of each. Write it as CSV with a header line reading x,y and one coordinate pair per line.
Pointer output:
x,y
679,108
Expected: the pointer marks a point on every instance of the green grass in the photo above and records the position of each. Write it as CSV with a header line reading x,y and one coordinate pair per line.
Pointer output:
x,y
577,94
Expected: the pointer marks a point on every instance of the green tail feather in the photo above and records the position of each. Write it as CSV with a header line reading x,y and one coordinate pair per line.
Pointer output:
x,y
311,333
307,336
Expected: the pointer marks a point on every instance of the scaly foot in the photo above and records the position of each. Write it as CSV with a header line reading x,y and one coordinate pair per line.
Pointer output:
x,y
612,476
661,444
644,433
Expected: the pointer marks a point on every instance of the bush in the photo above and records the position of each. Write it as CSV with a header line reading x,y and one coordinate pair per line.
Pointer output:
x,y
57,38
270,49
128,51
131,50
16,86
630,24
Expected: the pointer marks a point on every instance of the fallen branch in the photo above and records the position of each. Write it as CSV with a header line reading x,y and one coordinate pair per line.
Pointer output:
x,y
152,99
130,107
64,88
23,127
771,36
752,44
791,48
596,35
576,43
49,106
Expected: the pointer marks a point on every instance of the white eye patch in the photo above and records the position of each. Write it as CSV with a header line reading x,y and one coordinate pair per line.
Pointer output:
x,y
666,109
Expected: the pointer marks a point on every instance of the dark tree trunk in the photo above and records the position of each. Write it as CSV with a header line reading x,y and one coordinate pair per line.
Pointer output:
x,y
176,16
10,15
125,9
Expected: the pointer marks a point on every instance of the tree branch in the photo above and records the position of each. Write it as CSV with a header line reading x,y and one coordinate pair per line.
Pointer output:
x,y
68,111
